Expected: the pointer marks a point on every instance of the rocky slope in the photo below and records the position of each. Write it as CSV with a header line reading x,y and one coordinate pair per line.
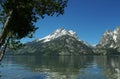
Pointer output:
x,y
110,42
60,42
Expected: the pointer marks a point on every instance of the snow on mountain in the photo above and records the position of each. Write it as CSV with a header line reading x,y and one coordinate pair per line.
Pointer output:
x,y
108,32
60,42
111,38
58,33
116,33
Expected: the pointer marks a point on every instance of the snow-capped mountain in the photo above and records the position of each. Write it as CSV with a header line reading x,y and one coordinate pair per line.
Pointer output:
x,y
109,43
58,33
60,42
111,39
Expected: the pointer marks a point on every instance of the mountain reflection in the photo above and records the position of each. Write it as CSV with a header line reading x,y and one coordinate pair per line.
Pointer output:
x,y
55,66
69,67
53,63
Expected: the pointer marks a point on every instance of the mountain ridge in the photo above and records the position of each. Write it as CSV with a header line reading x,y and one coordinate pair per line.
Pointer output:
x,y
63,42
109,42
60,42
59,32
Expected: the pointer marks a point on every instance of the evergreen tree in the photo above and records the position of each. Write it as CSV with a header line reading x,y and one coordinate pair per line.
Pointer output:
x,y
17,18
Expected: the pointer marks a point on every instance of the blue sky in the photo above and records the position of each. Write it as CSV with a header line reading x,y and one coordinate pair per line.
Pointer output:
x,y
88,18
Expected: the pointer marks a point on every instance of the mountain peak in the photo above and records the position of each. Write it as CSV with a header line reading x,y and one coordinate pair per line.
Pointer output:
x,y
58,33
111,38
62,31
108,32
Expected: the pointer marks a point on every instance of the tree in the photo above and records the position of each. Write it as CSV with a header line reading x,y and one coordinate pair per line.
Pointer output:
x,y
17,18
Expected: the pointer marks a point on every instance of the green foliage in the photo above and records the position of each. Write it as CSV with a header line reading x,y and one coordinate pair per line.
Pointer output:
x,y
24,14
15,44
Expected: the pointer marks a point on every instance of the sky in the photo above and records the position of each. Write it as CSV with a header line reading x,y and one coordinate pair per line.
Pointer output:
x,y
88,18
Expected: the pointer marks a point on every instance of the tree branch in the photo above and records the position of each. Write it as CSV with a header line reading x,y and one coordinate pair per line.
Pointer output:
x,y
5,30
3,50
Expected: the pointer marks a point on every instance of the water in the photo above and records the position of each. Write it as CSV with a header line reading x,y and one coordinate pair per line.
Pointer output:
x,y
60,67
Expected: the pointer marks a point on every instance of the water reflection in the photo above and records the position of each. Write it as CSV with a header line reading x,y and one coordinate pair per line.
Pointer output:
x,y
110,65
61,67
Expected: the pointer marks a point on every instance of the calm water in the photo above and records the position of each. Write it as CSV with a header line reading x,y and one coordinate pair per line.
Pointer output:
x,y
62,67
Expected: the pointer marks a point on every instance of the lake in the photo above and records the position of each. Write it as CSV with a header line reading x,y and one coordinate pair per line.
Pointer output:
x,y
60,67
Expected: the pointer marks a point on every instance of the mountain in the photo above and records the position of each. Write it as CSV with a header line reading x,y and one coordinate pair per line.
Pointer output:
x,y
60,42
58,33
110,42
